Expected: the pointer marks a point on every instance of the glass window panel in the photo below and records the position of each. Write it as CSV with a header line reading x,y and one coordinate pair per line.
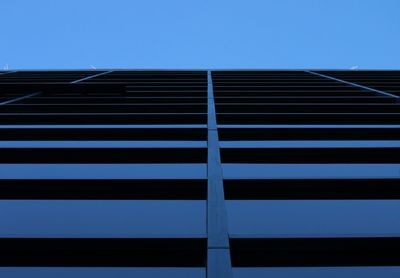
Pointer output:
x,y
101,218
314,217
103,171
112,272
317,272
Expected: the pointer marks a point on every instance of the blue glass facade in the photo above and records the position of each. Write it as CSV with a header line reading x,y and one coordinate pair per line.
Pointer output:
x,y
199,173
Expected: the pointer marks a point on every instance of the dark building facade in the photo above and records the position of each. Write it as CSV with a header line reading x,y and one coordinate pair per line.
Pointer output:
x,y
199,174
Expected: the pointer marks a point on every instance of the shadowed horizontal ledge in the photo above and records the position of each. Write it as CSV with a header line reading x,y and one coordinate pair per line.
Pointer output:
x,y
301,252
90,119
103,155
102,134
74,189
312,189
308,133
311,155
103,252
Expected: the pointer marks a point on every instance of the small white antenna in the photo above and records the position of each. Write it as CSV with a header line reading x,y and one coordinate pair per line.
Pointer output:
x,y
354,68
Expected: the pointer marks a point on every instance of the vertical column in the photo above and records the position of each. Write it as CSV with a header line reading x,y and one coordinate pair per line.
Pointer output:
x,y
218,254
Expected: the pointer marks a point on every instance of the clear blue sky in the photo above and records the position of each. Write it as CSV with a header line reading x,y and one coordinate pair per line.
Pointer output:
x,y
200,34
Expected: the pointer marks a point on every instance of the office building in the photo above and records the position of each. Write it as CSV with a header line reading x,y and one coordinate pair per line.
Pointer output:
x,y
123,173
